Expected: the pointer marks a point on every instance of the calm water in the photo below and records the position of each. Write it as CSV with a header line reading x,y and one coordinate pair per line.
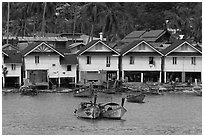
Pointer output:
x,y
51,114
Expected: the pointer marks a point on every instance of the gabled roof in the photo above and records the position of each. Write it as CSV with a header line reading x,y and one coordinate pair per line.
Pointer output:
x,y
5,53
34,46
13,57
198,47
69,59
176,45
75,45
134,44
9,45
93,43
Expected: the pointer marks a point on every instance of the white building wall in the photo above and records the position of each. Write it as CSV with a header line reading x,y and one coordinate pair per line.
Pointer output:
x,y
140,64
183,64
46,63
97,63
13,73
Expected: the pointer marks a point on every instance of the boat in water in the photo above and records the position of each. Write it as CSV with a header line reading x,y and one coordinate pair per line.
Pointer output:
x,y
84,93
113,110
136,98
197,90
28,90
88,110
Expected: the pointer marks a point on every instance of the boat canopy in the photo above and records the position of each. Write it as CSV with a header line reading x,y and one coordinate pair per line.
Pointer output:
x,y
111,104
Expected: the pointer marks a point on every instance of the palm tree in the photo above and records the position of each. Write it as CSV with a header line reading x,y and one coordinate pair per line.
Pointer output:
x,y
91,12
181,18
115,17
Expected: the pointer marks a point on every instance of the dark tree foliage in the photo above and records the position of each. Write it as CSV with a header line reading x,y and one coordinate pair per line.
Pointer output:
x,y
114,19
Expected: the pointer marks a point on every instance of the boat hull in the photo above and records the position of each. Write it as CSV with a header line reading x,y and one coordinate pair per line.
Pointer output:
x,y
30,91
85,93
114,114
197,90
136,98
91,112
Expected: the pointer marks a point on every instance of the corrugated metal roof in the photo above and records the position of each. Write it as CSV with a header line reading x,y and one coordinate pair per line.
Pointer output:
x,y
135,34
126,40
43,39
75,45
152,34
13,56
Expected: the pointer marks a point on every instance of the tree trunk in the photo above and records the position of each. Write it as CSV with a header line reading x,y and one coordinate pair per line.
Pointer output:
x,y
92,30
34,27
74,27
43,20
8,22
24,30
91,33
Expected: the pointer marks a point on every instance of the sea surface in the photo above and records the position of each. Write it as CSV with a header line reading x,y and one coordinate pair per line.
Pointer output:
x,y
52,114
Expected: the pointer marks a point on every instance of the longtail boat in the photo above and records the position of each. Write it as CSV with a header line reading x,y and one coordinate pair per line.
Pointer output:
x,y
136,98
113,110
88,110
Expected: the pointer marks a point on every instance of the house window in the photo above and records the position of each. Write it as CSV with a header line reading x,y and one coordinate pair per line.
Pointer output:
x,y
174,60
151,60
131,60
36,59
69,68
88,59
13,66
108,61
193,60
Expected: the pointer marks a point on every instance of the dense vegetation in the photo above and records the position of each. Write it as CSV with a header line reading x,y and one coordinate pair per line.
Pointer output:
x,y
115,19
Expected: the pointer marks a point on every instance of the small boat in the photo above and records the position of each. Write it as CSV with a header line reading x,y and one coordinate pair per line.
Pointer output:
x,y
84,93
28,90
88,110
197,90
136,98
153,92
113,110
